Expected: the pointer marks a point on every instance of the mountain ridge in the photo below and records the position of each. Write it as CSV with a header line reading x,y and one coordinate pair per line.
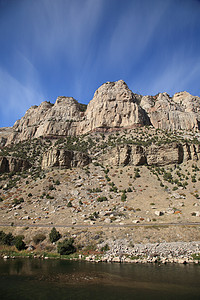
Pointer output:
x,y
113,107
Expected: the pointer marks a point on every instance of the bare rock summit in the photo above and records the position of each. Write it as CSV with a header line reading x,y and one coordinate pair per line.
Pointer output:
x,y
113,106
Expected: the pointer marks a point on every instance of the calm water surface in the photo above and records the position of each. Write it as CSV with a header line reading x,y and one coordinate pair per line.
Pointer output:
x,y
58,279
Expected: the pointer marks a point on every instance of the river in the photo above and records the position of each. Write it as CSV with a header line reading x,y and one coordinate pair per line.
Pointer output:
x,y
60,279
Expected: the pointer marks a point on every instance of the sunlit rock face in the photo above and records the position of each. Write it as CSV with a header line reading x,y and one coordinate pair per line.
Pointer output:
x,y
114,106
179,112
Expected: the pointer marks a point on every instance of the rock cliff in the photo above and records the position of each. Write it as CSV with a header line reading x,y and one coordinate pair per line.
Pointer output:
x,y
179,112
59,119
136,155
113,107
11,164
64,159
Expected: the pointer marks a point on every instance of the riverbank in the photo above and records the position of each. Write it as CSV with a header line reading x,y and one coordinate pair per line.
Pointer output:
x,y
119,251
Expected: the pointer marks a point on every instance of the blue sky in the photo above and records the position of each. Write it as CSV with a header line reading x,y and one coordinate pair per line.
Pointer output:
x,y
51,48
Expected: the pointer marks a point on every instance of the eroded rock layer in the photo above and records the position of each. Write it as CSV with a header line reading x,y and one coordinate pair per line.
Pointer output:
x,y
64,159
11,164
136,155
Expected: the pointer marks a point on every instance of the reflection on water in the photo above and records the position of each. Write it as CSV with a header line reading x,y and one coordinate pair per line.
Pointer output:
x,y
39,279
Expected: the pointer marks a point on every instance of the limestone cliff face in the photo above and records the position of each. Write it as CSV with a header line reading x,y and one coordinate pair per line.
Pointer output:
x,y
174,153
64,159
60,119
11,164
179,112
113,106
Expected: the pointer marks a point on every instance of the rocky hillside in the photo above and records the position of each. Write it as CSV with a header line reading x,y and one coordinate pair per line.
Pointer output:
x,y
102,170
113,107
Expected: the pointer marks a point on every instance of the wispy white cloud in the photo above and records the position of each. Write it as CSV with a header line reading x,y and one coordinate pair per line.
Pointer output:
x,y
17,94
64,47
64,27
176,73
135,29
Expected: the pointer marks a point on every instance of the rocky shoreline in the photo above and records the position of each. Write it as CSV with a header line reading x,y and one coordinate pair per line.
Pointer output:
x,y
174,252
120,252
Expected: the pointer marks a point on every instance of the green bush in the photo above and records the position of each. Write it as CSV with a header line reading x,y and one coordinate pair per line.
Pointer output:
x,y
51,187
49,197
107,178
54,235
66,247
18,201
101,199
167,176
6,239
137,174
69,204
105,248
19,243
123,197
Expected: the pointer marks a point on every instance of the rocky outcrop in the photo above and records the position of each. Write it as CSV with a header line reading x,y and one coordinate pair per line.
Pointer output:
x,y
179,112
62,158
136,155
5,132
114,106
11,164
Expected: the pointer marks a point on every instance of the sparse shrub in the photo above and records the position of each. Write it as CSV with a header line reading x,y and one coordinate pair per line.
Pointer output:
x,y
18,201
137,174
107,178
6,239
51,187
175,188
49,197
123,197
101,199
69,204
106,171
194,178
38,238
105,248
30,195
167,176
